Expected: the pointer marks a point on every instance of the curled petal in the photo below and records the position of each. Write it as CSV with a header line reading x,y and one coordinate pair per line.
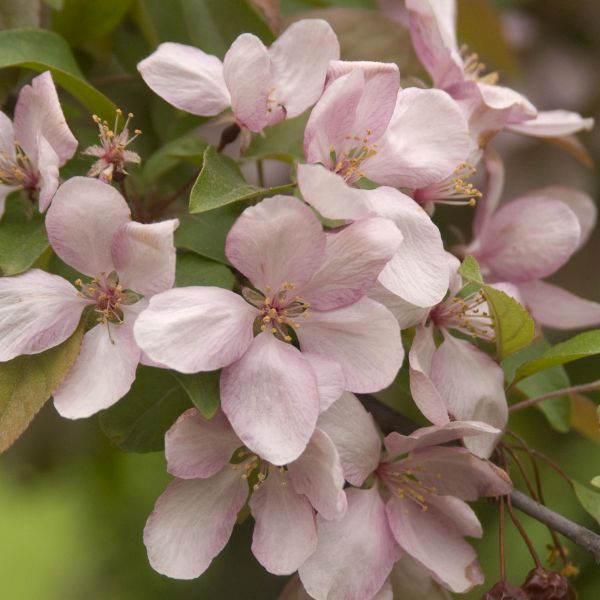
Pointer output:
x,y
195,328
553,123
407,314
330,378
192,521
48,172
187,78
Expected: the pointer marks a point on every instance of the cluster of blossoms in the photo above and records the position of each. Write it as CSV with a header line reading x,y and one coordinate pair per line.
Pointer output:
x,y
327,283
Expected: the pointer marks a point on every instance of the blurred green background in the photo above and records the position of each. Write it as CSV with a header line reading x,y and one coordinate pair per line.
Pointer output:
x,y
72,508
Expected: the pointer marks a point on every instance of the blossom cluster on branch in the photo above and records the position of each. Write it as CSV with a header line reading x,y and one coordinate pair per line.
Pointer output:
x,y
333,284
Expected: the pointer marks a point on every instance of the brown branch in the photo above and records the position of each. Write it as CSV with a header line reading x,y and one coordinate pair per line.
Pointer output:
x,y
584,387
389,420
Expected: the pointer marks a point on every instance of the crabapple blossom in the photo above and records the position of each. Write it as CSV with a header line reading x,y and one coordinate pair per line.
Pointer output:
x,y
412,500
215,474
530,238
263,86
35,144
89,227
489,108
112,153
309,285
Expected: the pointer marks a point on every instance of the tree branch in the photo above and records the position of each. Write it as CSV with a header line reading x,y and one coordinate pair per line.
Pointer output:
x,y
389,420
584,387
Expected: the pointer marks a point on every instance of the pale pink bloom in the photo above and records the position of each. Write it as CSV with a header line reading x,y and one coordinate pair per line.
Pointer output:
x,y
308,284
263,86
489,107
193,519
415,504
112,153
454,379
530,238
35,144
89,227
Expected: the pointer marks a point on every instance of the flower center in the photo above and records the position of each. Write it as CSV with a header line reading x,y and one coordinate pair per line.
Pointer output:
x,y
253,469
17,170
474,69
455,190
405,483
469,315
348,165
279,312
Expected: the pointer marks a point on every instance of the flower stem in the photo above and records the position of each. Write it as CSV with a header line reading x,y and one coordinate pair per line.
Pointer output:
x,y
574,389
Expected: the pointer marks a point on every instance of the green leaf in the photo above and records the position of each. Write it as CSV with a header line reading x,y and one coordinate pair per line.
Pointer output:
x,y
213,25
556,410
589,499
514,326
202,389
139,421
470,270
283,141
26,383
83,22
221,182
581,346
197,270
205,234
42,50
22,239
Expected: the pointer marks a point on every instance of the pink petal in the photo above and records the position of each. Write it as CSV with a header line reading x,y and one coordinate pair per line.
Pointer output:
x,y
551,306
463,474
7,137
580,203
427,138
407,314
299,59
144,256
197,448
353,259
472,385
501,98
488,203
354,556
38,112
294,590
397,444
195,328
49,178
285,533
364,338
528,239
187,78
424,392
433,33
317,473
82,221
385,592
192,522
418,272
354,434
553,123
270,397
412,579
279,240
329,194
247,73
37,311
330,378
435,538
102,374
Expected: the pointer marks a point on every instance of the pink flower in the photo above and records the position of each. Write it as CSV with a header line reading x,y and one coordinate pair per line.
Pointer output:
x,y
271,391
112,153
489,107
89,227
263,86
530,238
193,519
35,144
455,378
415,505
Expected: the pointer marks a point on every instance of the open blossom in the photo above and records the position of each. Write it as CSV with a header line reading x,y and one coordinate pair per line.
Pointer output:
x,y
454,379
414,503
308,285
530,238
89,227
35,144
489,107
193,519
112,153
263,86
